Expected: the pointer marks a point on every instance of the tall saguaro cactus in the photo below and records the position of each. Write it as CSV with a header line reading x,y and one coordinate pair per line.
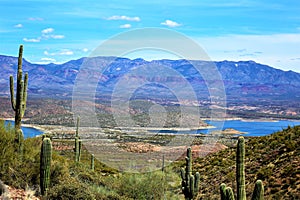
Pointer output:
x,y
190,183
92,162
226,192
78,143
45,164
240,169
19,103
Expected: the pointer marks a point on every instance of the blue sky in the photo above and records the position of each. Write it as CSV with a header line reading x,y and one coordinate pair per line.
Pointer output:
x,y
266,31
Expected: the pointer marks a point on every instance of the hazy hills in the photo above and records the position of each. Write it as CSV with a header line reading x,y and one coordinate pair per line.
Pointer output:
x,y
243,79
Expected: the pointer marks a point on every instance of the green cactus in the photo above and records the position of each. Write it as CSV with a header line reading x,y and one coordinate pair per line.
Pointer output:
x,y
92,162
223,191
258,193
163,164
240,169
77,149
77,127
229,194
45,164
190,183
78,144
19,103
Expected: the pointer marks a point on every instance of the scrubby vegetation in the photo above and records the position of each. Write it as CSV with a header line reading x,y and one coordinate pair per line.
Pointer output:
x,y
76,180
274,159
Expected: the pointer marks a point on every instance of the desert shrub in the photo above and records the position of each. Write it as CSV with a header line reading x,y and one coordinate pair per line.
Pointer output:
x,y
70,188
152,185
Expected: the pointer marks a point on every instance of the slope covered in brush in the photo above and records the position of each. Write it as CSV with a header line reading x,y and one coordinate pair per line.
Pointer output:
x,y
275,159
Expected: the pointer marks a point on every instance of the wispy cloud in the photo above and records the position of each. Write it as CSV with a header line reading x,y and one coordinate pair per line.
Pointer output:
x,y
56,36
66,52
85,49
35,19
63,52
48,30
46,34
32,39
18,26
48,59
170,23
123,17
125,26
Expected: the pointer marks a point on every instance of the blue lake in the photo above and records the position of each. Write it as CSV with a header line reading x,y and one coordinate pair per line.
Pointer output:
x,y
255,128
251,128
28,132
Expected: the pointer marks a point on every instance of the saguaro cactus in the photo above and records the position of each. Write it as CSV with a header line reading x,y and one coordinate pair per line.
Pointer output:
x,y
258,193
78,144
45,164
19,103
92,162
190,183
240,169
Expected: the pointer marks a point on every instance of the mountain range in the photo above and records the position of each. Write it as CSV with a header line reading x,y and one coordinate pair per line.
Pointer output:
x,y
155,79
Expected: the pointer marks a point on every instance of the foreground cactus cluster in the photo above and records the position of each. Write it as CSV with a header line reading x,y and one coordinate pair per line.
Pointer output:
x,y
190,183
227,193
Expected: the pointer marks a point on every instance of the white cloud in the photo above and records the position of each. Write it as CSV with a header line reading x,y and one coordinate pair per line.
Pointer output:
x,y
57,36
125,26
85,49
47,30
32,39
123,17
35,19
48,59
18,26
66,52
63,52
170,23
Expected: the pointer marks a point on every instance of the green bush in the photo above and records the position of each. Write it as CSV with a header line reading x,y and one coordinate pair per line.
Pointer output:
x,y
152,185
70,189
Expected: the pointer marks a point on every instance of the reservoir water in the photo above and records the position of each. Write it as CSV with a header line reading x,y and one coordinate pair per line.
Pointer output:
x,y
251,128
29,132
256,128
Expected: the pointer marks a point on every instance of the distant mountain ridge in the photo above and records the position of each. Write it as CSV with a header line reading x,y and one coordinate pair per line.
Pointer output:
x,y
242,79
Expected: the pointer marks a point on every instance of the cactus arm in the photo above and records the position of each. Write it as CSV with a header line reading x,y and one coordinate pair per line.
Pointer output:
x,y
20,58
12,96
240,169
258,193
191,187
24,99
229,194
197,181
223,191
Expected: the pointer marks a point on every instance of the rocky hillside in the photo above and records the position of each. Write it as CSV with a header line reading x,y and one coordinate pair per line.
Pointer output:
x,y
275,159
